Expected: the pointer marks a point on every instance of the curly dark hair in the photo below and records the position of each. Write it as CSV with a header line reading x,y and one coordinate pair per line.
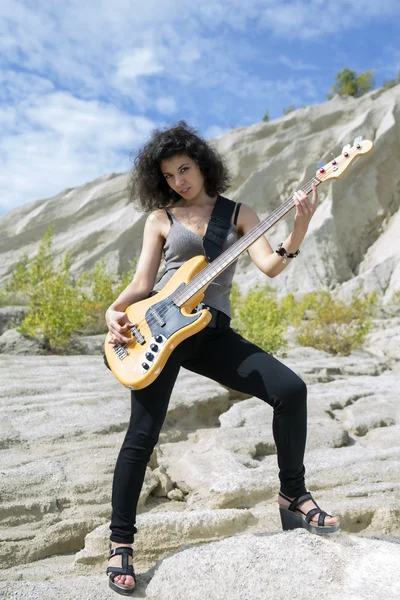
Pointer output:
x,y
148,188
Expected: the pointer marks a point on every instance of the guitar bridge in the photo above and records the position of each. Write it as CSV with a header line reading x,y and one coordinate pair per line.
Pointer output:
x,y
121,351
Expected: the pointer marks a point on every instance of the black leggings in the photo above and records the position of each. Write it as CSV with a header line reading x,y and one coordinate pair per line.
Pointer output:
x,y
226,357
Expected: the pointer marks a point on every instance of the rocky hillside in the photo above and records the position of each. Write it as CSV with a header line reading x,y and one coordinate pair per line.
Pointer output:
x,y
351,239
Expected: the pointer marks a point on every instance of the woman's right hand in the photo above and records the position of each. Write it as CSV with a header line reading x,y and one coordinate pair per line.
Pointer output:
x,y
118,324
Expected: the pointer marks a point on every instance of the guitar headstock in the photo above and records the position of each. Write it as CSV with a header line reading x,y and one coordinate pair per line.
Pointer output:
x,y
336,167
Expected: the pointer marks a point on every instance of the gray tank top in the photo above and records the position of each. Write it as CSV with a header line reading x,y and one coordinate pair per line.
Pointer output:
x,y
182,244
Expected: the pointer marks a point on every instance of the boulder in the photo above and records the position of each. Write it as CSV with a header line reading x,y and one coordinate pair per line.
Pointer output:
x,y
293,564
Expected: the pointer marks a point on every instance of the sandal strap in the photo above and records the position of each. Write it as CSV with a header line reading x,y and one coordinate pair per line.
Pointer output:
x,y
121,571
126,569
321,518
311,513
124,550
295,503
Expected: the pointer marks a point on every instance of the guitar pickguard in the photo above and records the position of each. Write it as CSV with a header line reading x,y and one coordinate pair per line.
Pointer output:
x,y
164,320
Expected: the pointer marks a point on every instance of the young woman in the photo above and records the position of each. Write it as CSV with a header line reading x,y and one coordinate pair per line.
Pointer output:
x,y
178,177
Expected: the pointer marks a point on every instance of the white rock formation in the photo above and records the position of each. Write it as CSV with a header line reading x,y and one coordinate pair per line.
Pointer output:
x,y
351,240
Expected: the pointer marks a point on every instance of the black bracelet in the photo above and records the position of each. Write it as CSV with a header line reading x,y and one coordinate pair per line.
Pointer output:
x,y
282,252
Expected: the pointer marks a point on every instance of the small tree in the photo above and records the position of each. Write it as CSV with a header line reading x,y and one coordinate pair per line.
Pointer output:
x,y
348,83
266,116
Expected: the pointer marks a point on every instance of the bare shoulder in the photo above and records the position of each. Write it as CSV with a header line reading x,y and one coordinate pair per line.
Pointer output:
x,y
158,222
247,218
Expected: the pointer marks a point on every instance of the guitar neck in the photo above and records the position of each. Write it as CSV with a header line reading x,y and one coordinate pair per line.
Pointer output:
x,y
232,253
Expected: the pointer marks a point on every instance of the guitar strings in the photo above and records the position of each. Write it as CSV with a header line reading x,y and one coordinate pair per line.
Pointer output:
x,y
164,306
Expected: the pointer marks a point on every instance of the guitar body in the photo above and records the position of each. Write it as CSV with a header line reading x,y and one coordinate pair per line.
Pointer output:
x,y
160,326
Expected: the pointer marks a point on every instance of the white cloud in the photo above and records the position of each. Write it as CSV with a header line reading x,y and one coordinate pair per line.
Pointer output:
x,y
62,142
295,64
141,62
313,19
16,86
166,105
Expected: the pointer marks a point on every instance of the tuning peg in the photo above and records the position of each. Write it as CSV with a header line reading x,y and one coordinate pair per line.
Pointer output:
x,y
345,150
320,165
357,141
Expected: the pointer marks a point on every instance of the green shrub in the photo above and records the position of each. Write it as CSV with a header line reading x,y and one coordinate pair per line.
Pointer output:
x,y
29,273
394,304
100,291
258,318
55,303
330,324
56,310
318,319
59,305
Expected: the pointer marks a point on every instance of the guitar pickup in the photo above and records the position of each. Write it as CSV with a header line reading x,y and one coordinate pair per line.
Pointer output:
x,y
137,335
154,314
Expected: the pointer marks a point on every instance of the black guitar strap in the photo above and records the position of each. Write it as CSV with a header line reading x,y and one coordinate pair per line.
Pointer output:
x,y
218,227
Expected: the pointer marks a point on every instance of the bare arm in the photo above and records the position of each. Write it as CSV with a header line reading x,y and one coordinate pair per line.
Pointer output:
x,y
261,253
143,280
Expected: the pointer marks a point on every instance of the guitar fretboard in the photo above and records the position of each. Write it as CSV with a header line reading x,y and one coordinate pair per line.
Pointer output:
x,y
231,254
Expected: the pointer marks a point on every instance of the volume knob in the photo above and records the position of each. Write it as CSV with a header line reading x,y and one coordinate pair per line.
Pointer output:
x,y
159,339
145,366
154,347
149,356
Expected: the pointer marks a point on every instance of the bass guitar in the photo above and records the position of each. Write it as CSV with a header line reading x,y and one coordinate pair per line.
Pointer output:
x,y
163,321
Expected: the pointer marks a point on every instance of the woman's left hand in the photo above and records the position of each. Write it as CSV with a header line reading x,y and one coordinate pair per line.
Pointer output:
x,y
305,209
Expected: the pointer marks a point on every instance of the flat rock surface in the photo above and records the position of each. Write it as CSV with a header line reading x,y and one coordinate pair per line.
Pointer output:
x,y
212,478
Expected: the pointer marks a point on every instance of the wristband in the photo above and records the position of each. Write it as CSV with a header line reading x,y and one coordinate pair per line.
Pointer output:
x,y
282,252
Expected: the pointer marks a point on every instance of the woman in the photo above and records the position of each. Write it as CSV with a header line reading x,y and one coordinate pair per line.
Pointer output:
x,y
178,177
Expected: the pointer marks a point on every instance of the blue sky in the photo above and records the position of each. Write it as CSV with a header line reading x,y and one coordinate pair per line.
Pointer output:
x,y
83,83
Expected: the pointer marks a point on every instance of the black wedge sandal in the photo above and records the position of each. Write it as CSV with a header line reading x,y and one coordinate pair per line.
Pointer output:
x,y
291,519
126,569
